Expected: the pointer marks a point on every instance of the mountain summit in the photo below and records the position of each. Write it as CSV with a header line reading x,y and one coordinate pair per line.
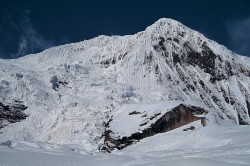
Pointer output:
x,y
110,92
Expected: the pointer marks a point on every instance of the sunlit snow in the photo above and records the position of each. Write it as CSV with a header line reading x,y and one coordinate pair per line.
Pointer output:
x,y
73,90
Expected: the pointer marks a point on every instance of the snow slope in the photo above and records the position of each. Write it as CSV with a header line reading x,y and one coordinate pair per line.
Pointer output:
x,y
73,91
213,145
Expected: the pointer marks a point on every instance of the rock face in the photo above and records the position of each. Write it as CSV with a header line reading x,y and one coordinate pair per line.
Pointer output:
x,y
177,117
12,113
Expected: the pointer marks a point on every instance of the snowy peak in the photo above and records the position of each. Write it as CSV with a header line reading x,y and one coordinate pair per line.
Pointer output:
x,y
85,93
67,52
165,23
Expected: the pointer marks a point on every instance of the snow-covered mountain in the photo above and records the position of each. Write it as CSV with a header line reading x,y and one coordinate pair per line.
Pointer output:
x,y
110,92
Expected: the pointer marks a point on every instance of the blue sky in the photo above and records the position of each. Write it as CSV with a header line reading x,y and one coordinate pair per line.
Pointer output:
x,y
28,26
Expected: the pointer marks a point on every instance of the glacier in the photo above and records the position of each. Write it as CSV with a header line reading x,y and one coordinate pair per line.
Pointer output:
x,y
100,95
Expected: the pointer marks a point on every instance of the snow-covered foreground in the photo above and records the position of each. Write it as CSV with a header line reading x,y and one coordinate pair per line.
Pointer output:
x,y
212,145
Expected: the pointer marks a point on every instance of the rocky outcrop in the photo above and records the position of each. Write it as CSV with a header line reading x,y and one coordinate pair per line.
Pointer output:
x,y
12,113
177,117
189,128
184,57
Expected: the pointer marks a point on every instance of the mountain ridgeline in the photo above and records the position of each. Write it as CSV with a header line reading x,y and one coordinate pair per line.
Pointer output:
x,y
110,92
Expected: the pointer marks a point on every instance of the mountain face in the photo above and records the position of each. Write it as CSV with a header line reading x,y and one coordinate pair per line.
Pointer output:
x,y
110,92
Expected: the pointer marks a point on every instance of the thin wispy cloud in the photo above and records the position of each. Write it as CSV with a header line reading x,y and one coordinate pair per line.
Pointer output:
x,y
239,33
19,37
30,40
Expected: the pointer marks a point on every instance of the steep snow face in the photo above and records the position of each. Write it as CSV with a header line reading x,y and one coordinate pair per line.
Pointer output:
x,y
72,91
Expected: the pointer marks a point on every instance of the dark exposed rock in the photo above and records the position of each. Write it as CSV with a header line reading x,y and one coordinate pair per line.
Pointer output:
x,y
122,56
179,116
157,72
144,123
241,121
148,58
181,34
229,69
245,93
63,82
176,58
244,70
134,112
202,83
205,60
248,108
161,44
113,61
203,122
106,63
154,116
225,95
189,86
190,128
176,40
12,113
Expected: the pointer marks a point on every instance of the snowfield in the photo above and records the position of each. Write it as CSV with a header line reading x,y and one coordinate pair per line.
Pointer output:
x,y
214,145
131,96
